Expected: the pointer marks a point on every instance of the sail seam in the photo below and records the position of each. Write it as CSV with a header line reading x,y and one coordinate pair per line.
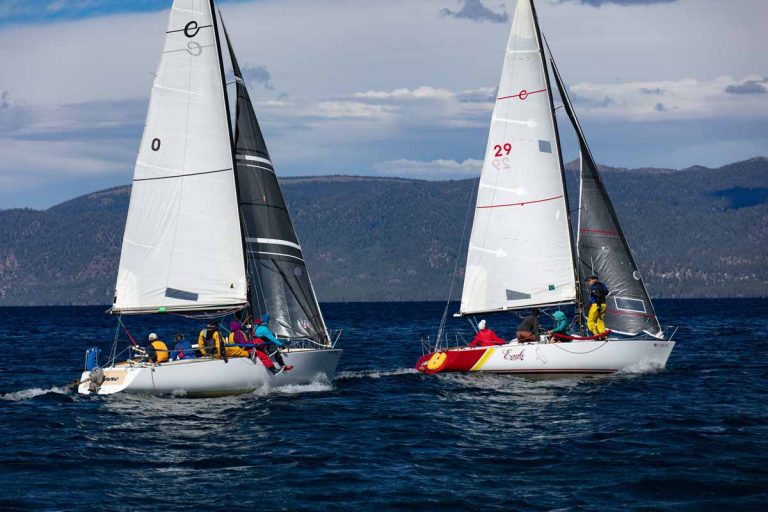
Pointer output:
x,y
181,175
521,204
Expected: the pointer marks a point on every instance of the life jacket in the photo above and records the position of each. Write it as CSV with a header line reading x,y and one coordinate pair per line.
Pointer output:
x,y
159,352
237,351
209,342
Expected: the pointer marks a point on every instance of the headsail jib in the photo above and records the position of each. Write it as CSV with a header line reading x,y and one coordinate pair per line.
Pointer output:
x,y
603,250
278,276
520,251
182,247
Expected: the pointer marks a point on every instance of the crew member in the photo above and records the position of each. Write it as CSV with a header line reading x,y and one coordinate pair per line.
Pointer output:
x,y
209,340
157,350
560,327
596,312
182,349
237,339
264,337
485,337
528,330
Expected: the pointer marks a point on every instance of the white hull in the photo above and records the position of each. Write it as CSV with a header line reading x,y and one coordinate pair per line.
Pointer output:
x,y
578,357
205,377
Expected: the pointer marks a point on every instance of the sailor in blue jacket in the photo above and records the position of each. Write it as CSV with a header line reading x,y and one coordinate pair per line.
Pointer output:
x,y
596,312
182,349
264,336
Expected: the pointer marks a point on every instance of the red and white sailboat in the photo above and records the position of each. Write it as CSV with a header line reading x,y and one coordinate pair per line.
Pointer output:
x,y
521,252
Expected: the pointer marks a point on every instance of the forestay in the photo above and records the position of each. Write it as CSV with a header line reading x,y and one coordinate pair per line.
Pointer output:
x,y
279,280
182,248
602,248
520,251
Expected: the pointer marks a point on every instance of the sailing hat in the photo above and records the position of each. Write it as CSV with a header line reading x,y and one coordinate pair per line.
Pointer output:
x,y
481,324
265,318
234,325
152,336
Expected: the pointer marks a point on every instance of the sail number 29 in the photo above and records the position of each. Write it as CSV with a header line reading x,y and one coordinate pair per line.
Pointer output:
x,y
500,153
500,150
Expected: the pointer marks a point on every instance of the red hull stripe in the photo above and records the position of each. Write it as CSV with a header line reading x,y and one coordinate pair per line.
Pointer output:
x,y
520,204
598,232
521,94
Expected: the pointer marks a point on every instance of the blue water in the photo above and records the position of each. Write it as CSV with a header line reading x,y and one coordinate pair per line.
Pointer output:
x,y
381,437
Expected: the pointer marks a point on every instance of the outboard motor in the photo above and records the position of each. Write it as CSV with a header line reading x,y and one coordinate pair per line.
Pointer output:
x,y
92,358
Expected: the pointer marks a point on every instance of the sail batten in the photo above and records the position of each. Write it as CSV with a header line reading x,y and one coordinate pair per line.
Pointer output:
x,y
520,250
182,248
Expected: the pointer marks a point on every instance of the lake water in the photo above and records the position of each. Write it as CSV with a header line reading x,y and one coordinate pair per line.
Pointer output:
x,y
382,437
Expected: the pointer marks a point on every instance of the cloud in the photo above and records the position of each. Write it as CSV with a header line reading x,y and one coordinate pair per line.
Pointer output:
x,y
683,100
748,87
257,75
475,10
430,170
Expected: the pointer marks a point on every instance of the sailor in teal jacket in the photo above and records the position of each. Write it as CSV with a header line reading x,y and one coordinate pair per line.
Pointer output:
x,y
264,336
264,333
561,325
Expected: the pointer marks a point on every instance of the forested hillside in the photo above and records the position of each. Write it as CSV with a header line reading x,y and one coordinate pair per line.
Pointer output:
x,y
696,232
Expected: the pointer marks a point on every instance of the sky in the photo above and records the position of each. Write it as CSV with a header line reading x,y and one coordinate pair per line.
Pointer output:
x,y
396,88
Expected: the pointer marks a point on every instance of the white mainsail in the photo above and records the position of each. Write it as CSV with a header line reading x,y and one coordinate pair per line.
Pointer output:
x,y
520,250
182,248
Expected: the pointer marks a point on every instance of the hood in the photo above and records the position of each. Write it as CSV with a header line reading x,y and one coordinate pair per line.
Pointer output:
x,y
234,325
558,315
265,318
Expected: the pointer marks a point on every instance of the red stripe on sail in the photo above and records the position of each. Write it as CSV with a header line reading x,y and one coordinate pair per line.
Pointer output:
x,y
522,94
520,204
632,313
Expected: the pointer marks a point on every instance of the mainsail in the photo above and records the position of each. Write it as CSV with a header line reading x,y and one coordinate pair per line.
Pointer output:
x,y
602,248
520,251
182,247
279,281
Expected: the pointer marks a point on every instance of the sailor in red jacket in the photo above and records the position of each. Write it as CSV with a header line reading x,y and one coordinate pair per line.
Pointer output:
x,y
485,337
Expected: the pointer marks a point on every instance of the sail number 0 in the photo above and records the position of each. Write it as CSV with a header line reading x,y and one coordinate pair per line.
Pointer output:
x,y
500,153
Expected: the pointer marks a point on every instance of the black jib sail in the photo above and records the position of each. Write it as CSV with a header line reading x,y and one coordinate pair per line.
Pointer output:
x,y
602,248
278,278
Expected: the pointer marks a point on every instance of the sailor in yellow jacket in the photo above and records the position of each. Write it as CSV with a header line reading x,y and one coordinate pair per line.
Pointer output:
x,y
209,341
237,337
157,349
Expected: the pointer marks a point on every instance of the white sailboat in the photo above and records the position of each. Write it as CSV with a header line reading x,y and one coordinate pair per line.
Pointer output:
x,y
521,251
208,231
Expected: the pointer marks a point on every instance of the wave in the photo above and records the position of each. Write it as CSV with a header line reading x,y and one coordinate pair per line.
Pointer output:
x,y
641,367
374,374
27,394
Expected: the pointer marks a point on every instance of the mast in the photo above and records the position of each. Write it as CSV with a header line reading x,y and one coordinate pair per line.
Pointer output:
x,y
232,146
576,276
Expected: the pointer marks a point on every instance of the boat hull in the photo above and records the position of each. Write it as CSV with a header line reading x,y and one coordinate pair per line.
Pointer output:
x,y
578,357
205,377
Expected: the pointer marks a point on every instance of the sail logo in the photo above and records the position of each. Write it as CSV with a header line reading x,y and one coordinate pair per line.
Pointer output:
x,y
510,355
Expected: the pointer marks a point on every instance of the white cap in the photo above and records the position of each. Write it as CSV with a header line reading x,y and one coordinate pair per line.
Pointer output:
x,y
152,336
481,325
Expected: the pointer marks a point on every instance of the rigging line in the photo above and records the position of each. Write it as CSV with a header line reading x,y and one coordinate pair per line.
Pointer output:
x,y
580,353
444,319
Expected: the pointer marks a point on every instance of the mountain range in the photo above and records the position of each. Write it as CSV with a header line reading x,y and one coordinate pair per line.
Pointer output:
x,y
696,232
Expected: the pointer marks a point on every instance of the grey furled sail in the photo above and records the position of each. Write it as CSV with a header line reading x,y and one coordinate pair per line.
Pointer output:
x,y
279,283
602,248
